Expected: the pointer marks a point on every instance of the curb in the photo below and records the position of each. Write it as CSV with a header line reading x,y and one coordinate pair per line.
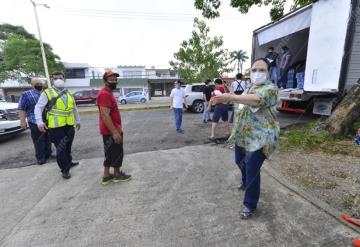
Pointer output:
x,y
128,109
310,198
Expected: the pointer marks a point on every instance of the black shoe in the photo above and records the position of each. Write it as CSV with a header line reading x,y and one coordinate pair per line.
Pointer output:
x,y
122,177
41,162
66,175
241,187
74,164
106,180
204,121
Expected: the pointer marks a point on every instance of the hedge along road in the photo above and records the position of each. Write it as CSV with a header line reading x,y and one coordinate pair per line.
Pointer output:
x,y
146,130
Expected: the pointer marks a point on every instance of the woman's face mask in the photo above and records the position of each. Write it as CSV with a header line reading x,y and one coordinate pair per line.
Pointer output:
x,y
258,77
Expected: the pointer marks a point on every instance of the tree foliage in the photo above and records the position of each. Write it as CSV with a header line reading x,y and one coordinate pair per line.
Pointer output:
x,y
210,8
201,57
239,57
20,54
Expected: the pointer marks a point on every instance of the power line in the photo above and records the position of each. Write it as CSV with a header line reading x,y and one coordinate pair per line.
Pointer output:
x,y
115,14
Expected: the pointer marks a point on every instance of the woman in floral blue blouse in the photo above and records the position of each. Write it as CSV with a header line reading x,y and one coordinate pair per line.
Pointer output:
x,y
256,131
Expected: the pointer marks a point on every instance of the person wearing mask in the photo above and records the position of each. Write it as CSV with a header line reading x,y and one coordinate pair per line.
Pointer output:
x,y
284,66
61,115
26,108
255,132
273,59
177,100
221,110
238,87
111,130
206,97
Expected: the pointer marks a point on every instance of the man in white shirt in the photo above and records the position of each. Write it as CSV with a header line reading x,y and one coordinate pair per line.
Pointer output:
x,y
61,119
177,100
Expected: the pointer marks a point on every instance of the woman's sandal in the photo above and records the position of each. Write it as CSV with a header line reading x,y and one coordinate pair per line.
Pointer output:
x,y
246,213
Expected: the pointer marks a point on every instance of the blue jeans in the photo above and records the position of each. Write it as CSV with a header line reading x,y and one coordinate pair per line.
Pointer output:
x,y
41,142
274,74
250,163
63,137
178,118
206,113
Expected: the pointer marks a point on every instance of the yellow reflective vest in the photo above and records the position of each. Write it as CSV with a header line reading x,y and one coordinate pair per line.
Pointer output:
x,y
60,114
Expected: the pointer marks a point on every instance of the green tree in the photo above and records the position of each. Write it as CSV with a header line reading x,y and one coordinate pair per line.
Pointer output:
x,y
20,54
201,56
210,8
239,57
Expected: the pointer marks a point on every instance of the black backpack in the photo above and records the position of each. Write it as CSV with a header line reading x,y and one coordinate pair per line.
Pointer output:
x,y
239,89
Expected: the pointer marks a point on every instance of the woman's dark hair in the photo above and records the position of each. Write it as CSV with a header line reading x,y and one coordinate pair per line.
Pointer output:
x,y
218,81
207,81
265,61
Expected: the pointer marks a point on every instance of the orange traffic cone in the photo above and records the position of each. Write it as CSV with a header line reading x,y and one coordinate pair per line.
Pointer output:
x,y
356,242
350,219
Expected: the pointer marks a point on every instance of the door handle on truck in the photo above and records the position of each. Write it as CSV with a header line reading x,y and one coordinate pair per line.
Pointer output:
x,y
314,76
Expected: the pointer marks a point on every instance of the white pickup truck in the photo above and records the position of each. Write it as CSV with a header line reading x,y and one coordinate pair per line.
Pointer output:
x,y
9,119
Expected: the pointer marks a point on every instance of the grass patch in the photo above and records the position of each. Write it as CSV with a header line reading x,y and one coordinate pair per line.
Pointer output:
x,y
306,137
311,137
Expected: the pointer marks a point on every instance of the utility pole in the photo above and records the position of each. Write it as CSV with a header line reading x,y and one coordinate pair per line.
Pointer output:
x,y
41,43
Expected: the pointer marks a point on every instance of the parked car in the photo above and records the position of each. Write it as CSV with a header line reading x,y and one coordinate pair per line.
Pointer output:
x,y
133,97
194,96
86,96
9,119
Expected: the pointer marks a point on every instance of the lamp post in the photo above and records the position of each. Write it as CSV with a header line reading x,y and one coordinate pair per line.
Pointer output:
x,y
41,43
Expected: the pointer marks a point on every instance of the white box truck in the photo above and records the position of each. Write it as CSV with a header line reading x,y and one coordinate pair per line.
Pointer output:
x,y
325,36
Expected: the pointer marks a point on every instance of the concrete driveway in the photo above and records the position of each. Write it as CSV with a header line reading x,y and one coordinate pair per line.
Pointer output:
x,y
179,197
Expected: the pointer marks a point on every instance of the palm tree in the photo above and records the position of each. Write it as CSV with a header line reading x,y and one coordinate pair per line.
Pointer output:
x,y
240,57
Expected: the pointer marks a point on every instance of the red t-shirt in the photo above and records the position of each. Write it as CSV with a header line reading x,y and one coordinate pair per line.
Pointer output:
x,y
218,87
105,98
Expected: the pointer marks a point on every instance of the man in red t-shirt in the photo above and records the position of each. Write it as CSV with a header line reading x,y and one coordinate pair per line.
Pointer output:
x,y
111,130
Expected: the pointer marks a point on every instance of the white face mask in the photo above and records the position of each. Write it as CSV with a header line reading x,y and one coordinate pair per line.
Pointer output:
x,y
258,77
59,83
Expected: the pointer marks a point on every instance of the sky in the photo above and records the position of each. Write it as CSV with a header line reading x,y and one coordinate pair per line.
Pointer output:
x,y
109,33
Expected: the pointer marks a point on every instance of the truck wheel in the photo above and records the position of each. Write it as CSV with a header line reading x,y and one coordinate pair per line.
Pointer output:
x,y
198,106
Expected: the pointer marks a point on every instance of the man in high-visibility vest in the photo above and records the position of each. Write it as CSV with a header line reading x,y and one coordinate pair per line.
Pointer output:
x,y
60,121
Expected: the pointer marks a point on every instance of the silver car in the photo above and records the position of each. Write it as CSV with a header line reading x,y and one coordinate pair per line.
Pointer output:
x,y
133,97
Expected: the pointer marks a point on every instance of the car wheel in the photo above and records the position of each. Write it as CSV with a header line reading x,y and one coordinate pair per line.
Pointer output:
x,y
143,100
123,102
198,106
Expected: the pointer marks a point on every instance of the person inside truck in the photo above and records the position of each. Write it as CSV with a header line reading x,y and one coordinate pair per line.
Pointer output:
x,y
273,60
255,132
285,62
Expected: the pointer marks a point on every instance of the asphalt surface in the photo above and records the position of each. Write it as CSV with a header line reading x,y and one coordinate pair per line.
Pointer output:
x,y
148,130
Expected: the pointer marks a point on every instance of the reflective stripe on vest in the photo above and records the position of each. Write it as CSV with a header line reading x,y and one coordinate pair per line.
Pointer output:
x,y
60,114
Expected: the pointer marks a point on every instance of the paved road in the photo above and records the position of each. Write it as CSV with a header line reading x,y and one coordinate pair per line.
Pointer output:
x,y
144,131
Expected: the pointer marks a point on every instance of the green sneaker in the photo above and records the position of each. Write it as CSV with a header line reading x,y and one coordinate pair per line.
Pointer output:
x,y
106,180
122,177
